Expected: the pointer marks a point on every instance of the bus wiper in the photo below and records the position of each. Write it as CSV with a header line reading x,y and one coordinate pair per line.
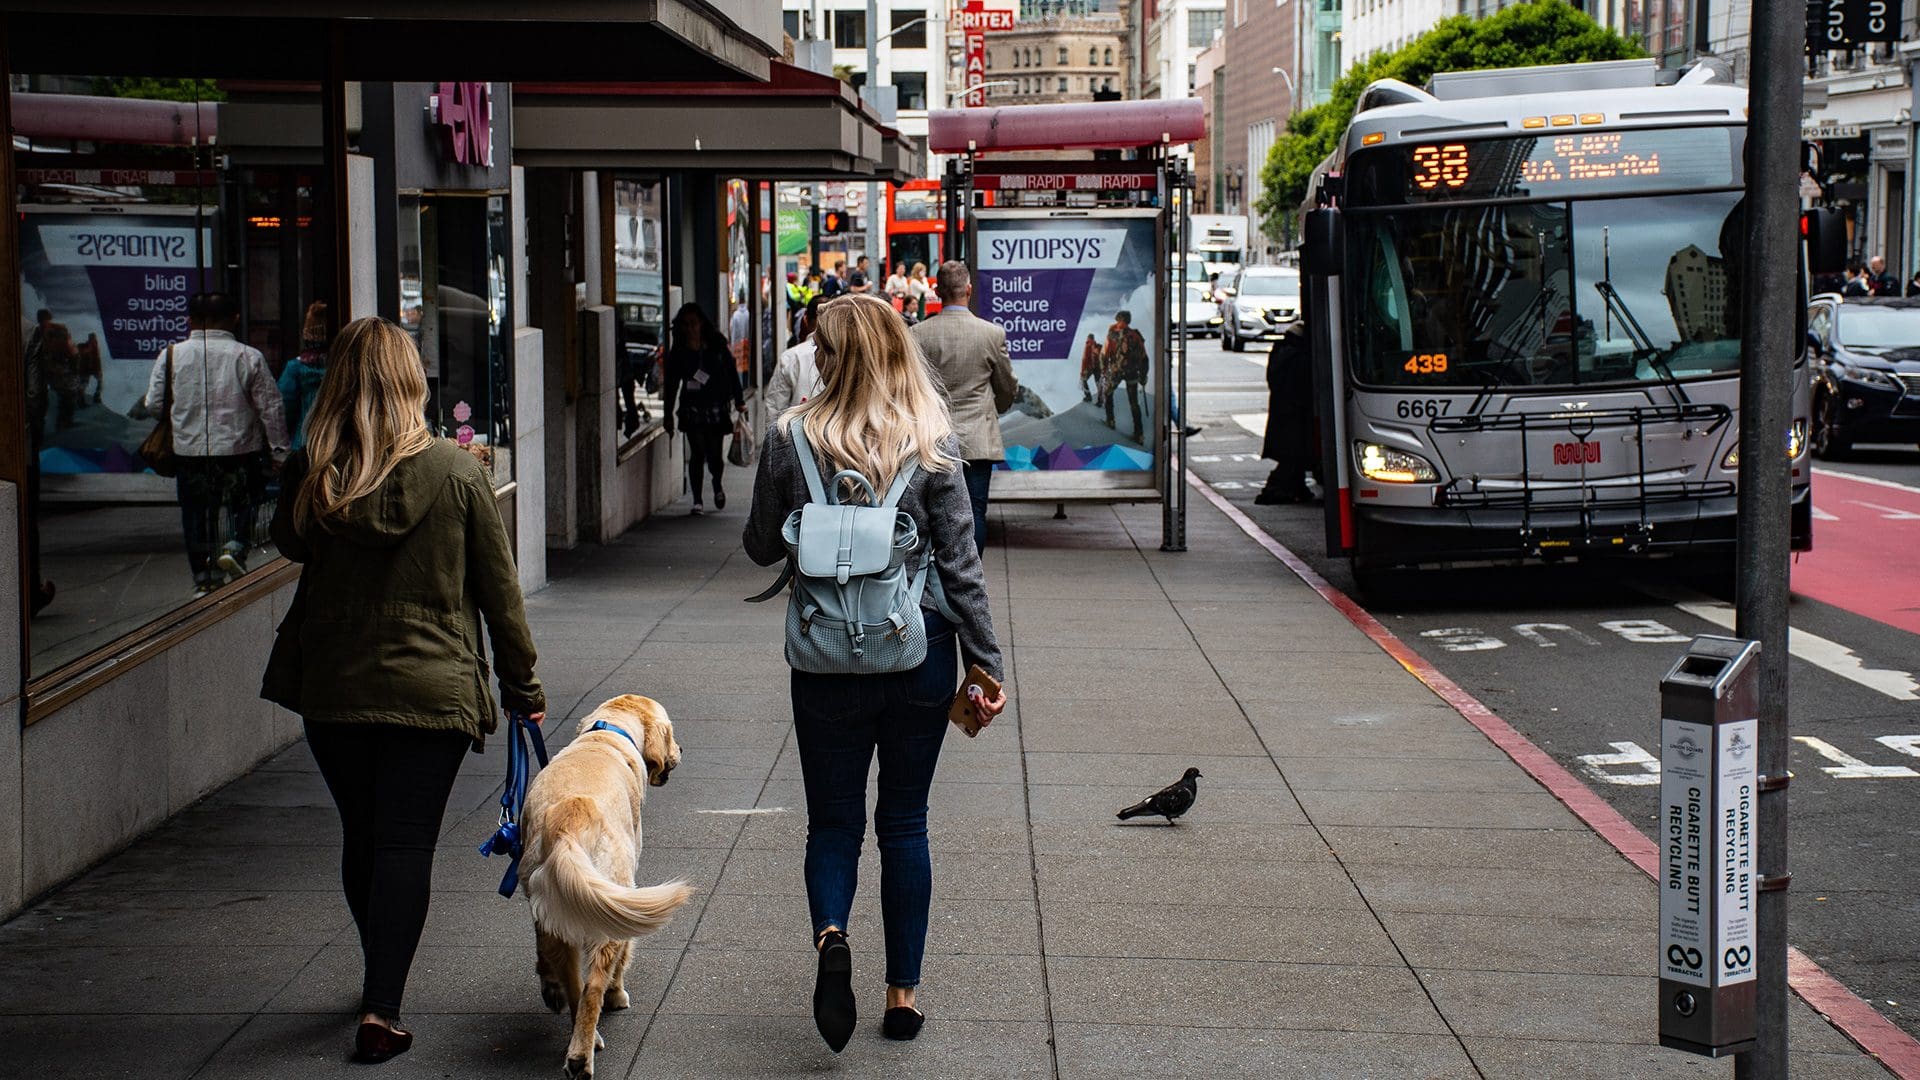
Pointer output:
x,y
1643,346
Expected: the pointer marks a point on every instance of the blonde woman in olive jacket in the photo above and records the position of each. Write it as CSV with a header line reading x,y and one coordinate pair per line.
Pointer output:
x,y
404,554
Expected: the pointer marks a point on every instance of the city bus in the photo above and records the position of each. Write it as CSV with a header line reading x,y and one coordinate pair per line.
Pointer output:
x,y
916,224
1524,304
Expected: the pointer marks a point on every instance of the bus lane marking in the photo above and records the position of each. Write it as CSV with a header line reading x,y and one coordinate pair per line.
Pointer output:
x,y
1888,513
1625,753
1874,480
1847,767
1536,633
1820,652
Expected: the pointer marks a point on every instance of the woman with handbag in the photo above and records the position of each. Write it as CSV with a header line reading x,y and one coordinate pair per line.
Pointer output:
x,y
702,393
403,555
877,412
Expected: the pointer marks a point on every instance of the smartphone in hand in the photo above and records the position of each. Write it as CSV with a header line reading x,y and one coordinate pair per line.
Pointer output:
x,y
961,712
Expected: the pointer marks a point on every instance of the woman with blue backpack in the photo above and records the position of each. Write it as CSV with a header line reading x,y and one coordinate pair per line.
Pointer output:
x,y
873,654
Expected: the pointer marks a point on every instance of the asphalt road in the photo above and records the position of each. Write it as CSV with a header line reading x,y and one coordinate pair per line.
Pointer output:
x,y
1572,656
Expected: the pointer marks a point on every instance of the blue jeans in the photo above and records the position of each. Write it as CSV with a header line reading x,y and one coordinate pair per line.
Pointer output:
x,y
839,722
979,476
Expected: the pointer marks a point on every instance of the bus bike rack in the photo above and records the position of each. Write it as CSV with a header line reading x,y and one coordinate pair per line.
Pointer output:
x,y
1173,193
1469,494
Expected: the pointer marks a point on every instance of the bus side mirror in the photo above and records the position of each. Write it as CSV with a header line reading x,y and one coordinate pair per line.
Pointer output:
x,y
1323,243
1825,234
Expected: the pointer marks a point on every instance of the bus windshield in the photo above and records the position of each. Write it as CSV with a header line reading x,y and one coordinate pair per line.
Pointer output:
x,y
1546,294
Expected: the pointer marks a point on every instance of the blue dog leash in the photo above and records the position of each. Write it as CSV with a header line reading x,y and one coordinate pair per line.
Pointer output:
x,y
506,840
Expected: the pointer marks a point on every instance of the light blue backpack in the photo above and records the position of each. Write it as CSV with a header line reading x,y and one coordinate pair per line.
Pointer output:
x,y
858,572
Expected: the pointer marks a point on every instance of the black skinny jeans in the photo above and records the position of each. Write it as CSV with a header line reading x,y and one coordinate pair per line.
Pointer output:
x,y
391,785
706,447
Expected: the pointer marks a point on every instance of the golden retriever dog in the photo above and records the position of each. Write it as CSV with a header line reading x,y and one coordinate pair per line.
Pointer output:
x,y
582,822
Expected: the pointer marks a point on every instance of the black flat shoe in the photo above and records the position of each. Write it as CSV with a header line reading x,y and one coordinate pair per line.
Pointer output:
x,y
902,1022
719,498
833,1006
376,1043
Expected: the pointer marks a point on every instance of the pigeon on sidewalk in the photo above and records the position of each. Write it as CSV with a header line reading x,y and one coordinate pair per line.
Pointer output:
x,y
1169,802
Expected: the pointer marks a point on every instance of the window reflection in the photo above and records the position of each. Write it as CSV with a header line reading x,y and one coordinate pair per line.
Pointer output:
x,y
639,301
117,234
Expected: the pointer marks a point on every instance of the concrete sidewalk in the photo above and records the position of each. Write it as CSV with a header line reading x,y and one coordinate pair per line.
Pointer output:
x,y
1367,887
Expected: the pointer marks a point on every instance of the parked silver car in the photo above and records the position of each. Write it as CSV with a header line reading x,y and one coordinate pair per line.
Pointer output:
x,y
1257,303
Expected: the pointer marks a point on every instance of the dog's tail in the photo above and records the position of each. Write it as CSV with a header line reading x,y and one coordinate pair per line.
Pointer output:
x,y
573,900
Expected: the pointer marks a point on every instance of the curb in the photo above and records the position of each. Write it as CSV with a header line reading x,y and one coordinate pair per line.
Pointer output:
x,y
1879,1037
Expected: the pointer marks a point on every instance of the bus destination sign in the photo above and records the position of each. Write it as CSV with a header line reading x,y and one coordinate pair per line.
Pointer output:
x,y
1562,164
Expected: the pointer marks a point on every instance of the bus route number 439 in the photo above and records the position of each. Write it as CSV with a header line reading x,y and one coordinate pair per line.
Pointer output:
x,y
1409,409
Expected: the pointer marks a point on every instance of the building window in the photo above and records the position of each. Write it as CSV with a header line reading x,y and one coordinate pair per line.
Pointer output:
x,y
1109,60
790,20
1063,84
849,29
1063,55
1093,57
912,37
912,87
1192,74
1201,26
1016,57
988,60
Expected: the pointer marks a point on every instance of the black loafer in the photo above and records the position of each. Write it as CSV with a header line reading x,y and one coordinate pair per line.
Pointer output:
x,y
833,1005
902,1022
375,1043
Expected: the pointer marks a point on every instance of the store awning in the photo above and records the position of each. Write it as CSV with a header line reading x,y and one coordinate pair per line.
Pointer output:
x,y
796,125
497,40
1071,126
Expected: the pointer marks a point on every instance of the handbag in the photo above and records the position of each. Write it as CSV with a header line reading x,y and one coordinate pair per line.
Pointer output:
x,y
740,450
157,448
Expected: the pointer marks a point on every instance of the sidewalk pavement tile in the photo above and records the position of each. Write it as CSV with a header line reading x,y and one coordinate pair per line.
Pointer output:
x,y
69,979
781,1046
1485,941
966,876
96,1043
1461,810
184,919
457,979
1129,1052
1238,995
1266,804
1148,771
1151,882
1529,1059
1602,892
517,1042
1381,775
1233,841
714,980
1569,847
1149,929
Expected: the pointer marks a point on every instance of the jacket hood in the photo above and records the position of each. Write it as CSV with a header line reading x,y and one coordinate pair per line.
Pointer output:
x,y
402,501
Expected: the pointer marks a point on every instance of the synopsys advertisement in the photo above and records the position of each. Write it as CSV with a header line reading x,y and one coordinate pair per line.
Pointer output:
x,y
1078,298
118,286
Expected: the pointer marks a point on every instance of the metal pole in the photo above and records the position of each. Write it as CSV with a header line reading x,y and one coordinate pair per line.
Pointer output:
x,y
876,221
1767,323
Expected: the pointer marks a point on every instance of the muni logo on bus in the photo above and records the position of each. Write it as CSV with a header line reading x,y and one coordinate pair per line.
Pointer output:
x,y
1576,453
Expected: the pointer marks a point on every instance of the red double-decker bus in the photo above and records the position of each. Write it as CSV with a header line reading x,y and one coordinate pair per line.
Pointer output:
x,y
916,224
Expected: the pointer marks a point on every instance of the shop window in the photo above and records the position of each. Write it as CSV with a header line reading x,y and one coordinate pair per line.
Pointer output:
x,y
119,236
640,303
849,29
454,300
906,36
912,87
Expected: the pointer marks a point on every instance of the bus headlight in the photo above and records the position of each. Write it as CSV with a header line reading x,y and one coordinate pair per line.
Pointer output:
x,y
1390,466
1796,445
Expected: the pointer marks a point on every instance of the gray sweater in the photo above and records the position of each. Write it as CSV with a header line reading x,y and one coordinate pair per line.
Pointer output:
x,y
939,506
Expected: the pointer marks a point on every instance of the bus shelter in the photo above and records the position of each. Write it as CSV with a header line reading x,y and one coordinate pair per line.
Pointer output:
x,y
1078,260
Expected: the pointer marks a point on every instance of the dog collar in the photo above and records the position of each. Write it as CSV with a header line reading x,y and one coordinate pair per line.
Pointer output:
x,y
602,725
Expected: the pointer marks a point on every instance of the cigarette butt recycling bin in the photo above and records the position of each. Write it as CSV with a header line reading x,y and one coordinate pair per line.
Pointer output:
x,y
1708,832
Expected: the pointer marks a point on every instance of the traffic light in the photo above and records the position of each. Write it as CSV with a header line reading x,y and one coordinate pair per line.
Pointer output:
x,y
833,221
1825,234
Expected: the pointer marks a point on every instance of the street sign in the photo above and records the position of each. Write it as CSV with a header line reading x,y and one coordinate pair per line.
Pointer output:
x,y
1708,836
1076,181
1827,129
1843,24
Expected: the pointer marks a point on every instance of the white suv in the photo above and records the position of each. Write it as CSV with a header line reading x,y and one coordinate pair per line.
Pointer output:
x,y
1257,303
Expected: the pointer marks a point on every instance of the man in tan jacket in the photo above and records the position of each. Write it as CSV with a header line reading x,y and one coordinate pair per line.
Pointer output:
x,y
969,359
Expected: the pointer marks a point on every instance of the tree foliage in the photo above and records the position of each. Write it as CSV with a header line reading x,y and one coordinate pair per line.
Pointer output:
x,y
160,89
1527,34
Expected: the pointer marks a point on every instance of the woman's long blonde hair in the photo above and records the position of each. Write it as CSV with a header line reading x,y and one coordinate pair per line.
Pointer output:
x,y
369,415
877,405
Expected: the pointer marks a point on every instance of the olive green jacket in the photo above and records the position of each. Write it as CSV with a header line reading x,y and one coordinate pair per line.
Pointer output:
x,y
385,626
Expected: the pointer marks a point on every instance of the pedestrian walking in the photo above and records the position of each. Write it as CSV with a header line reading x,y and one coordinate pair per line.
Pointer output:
x,y
1289,441
860,282
968,355
1857,282
1123,362
899,292
831,285
1913,284
702,392
403,555
878,411
1879,281
796,377
300,379
919,289
227,419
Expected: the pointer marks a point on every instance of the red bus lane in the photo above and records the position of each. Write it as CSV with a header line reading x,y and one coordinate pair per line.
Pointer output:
x,y
1866,536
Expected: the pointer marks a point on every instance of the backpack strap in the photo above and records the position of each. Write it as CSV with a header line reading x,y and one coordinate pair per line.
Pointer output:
x,y
809,468
900,481
773,590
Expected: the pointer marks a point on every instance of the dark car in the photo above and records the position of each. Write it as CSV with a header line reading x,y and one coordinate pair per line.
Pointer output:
x,y
1866,371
